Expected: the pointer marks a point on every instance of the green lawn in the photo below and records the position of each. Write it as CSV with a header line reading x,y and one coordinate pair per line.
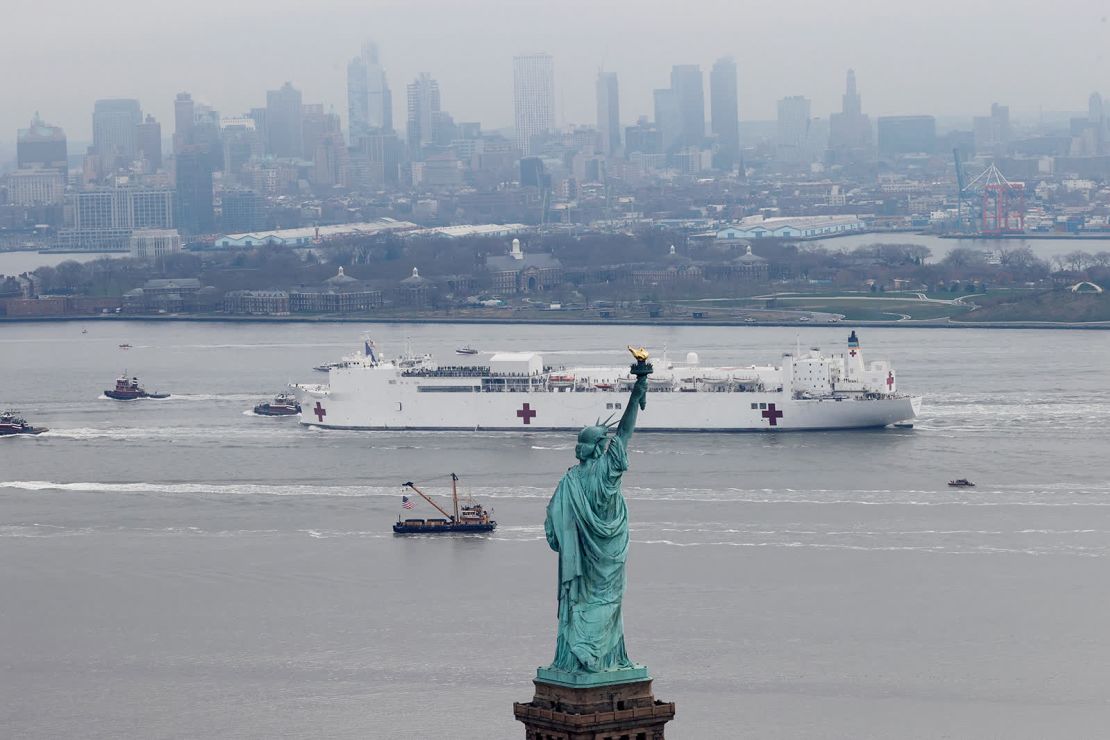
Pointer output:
x,y
858,307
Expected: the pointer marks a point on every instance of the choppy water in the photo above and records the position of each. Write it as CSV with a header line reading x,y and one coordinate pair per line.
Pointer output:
x,y
182,568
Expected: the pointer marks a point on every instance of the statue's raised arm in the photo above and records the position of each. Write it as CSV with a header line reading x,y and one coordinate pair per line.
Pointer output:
x,y
637,401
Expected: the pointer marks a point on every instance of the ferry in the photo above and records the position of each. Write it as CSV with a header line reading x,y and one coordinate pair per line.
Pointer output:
x,y
519,392
470,517
128,389
12,423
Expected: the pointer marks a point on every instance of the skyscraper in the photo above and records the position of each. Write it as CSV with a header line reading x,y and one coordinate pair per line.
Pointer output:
x,y
42,146
114,123
907,134
193,179
689,91
608,112
849,130
284,122
992,133
793,129
239,142
183,109
668,119
423,110
369,99
1096,112
533,98
148,141
724,113
358,98
1096,124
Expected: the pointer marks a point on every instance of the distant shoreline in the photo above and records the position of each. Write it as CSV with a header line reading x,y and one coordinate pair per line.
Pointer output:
x,y
910,324
1031,237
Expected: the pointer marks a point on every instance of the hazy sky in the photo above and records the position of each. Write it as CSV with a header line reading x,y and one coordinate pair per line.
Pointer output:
x,y
911,56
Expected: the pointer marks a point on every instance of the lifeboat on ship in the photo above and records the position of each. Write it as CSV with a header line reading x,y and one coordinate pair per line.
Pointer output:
x,y
560,380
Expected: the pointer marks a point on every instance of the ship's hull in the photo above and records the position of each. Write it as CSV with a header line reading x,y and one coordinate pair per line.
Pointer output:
x,y
129,396
267,410
8,432
401,528
404,407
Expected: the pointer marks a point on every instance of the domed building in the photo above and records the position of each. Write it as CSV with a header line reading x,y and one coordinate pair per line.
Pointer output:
x,y
414,289
749,267
672,268
340,293
517,272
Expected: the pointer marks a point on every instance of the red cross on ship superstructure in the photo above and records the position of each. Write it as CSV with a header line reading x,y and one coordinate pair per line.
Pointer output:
x,y
527,413
890,381
772,414
320,412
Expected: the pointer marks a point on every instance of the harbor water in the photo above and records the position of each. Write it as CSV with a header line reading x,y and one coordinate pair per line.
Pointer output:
x,y
182,568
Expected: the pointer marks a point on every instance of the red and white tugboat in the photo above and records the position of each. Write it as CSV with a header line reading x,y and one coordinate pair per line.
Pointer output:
x,y
284,404
12,423
128,389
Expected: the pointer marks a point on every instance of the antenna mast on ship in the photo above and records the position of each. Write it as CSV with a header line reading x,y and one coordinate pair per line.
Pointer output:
x,y
410,484
455,494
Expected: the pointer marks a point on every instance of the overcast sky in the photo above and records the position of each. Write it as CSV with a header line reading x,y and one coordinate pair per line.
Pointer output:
x,y
946,57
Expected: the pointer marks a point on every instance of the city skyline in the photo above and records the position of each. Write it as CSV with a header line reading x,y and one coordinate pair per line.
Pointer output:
x,y
232,82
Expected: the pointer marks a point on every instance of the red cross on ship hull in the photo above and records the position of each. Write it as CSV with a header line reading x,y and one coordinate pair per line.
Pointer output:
x,y
772,414
526,413
320,412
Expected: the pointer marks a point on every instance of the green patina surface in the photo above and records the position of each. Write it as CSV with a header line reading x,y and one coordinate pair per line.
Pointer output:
x,y
604,678
587,524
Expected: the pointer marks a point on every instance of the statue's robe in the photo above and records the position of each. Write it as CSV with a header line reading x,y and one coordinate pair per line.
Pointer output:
x,y
587,524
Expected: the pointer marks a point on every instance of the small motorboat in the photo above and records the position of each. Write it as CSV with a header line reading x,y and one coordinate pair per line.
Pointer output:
x,y
467,350
327,367
12,423
125,346
961,483
284,404
128,389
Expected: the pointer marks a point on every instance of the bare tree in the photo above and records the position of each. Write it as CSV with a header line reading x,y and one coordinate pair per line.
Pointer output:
x,y
963,257
1078,260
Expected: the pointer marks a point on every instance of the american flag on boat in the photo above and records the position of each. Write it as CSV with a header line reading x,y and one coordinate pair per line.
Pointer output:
x,y
407,503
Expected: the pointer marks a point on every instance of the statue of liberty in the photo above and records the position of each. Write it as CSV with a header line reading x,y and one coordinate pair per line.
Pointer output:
x,y
587,524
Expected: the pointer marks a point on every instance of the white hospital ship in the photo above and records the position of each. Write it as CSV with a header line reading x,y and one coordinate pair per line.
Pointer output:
x,y
518,392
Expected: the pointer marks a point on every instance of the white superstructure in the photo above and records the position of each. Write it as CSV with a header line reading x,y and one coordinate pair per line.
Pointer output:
x,y
518,392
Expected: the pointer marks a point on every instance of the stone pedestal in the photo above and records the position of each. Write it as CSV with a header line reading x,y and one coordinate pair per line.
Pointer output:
x,y
624,710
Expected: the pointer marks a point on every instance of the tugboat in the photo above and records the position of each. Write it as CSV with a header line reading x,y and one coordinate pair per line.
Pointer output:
x,y
284,404
470,517
12,423
128,389
961,483
467,350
